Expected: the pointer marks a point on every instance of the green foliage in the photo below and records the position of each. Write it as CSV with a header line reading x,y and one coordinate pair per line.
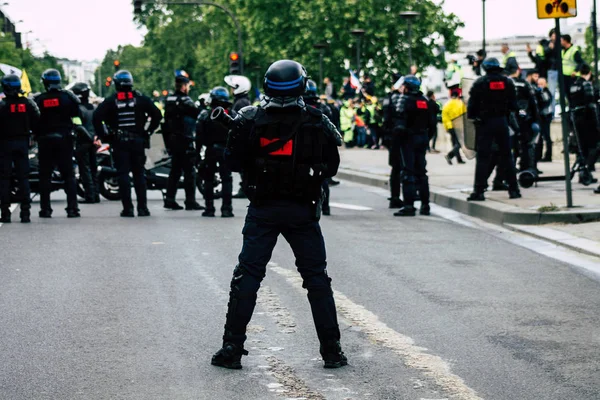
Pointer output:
x,y
23,59
199,38
588,51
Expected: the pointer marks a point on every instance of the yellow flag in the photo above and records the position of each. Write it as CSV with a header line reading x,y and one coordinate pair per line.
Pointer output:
x,y
25,85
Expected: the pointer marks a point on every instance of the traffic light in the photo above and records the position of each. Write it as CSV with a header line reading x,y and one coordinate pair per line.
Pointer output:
x,y
137,6
234,63
117,65
108,81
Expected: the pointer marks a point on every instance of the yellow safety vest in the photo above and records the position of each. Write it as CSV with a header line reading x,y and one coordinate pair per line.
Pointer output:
x,y
452,110
508,55
568,60
540,51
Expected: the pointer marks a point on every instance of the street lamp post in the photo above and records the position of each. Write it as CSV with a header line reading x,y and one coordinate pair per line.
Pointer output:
x,y
358,34
483,1
595,36
409,16
321,47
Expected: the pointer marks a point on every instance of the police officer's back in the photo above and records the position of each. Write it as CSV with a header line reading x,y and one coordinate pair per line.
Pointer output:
x,y
527,115
287,150
59,108
179,127
392,142
18,116
412,117
491,100
212,135
126,114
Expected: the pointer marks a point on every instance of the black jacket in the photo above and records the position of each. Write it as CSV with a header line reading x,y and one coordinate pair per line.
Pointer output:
x,y
107,113
18,117
57,110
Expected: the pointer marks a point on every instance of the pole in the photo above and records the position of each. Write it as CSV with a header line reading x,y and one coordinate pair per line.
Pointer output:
x,y
410,60
595,35
564,118
483,27
358,66
321,52
99,80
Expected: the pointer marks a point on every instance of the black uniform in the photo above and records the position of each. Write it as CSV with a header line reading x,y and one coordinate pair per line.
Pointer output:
x,y
492,99
286,154
85,153
18,117
55,139
239,102
178,129
583,109
527,116
213,135
412,129
544,99
392,142
126,115
314,102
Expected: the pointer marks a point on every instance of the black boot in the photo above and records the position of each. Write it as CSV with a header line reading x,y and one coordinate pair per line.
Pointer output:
x,y
333,356
425,209
143,212
209,210
25,214
514,194
396,203
45,214
171,204
127,213
499,187
406,211
5,218
227,212
476,196
73,213
193,206
229,356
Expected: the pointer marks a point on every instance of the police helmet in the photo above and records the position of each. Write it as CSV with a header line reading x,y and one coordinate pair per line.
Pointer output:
x,y
412,83
51,79
285,78
491,64
81,90
220,95
181,76
11,84
311,89
123,81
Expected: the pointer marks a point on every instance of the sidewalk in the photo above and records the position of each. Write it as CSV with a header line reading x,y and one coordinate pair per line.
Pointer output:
x,y
451,184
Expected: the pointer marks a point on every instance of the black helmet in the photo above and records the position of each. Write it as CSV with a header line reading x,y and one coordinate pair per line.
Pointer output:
x,y
219,94
51,79
81,90
412,83
11,84
491,64
181,76
285,78
123,81
311,89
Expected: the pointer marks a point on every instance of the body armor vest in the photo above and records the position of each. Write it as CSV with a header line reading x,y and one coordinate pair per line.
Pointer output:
x,y
494,96
126,115
289,161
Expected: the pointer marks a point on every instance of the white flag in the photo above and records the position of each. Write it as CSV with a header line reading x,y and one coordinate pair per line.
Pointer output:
x,y
9,69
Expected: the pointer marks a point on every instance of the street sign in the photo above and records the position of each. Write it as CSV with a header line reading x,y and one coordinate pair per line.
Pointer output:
x,y
549,9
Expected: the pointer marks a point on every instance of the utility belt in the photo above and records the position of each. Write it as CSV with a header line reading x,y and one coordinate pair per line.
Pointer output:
x,y
123,135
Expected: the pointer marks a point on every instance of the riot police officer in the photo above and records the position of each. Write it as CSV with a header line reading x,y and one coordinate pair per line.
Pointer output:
x,y
18,117
178,130
492,99
240,86
213,135
126,114
59,111
287,150
86,144
528,118
585,117
311,99
392,142
412,129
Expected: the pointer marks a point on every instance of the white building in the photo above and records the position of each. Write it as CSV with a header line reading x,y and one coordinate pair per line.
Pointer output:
x,y
79,71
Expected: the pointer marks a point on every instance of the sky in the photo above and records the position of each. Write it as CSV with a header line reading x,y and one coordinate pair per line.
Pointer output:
x,y
86,29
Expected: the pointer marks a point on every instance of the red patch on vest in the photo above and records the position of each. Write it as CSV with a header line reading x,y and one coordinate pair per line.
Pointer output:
x,y
18,108
286,150
421,105
124,95
497,86
50,103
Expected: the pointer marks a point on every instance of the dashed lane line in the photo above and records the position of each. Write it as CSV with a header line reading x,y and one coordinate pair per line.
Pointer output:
x,y
415,357
350,207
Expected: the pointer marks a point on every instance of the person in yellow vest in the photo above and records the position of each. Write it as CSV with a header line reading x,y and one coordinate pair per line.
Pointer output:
x,y
571,61
347,114
509,59
454,75
452,110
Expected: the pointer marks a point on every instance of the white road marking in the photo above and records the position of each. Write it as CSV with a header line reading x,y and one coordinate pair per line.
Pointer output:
x,y
12,210
350,207
414,357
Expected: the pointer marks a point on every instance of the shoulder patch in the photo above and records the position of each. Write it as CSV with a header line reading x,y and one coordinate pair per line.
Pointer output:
x,y
497,85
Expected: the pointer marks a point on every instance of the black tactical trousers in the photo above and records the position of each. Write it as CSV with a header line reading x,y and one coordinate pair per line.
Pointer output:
x,y
526,144
56,151
326,192
88,170
301,230
494,130
414,149
585,124
129,157
14,152
182,161
215,162
395,161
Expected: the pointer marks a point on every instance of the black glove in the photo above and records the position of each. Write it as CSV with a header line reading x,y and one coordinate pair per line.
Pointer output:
x,y
452,131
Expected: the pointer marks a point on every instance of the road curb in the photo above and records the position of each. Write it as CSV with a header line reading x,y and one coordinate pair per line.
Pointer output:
x,y
490,211
563,239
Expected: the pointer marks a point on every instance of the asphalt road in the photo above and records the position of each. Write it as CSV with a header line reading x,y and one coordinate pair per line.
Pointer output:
x,y
110,308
